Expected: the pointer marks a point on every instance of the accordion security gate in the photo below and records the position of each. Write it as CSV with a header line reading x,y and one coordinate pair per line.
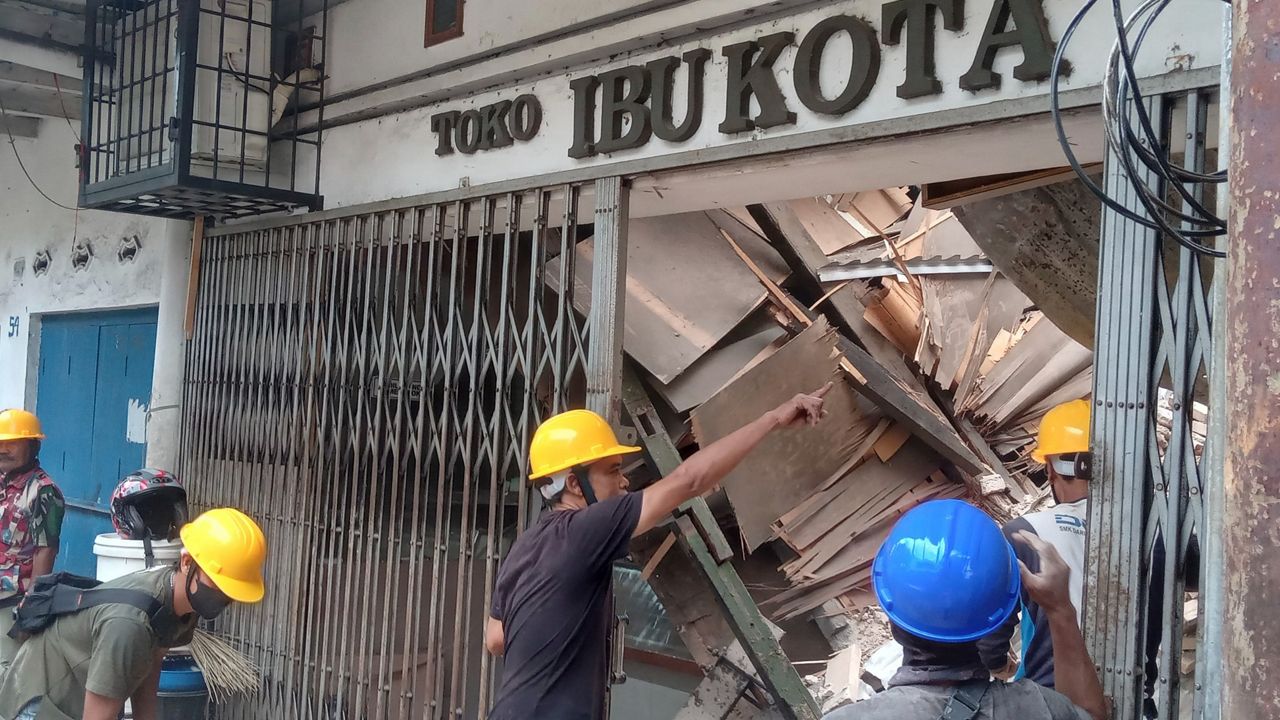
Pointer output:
x,y
365,385
1151,510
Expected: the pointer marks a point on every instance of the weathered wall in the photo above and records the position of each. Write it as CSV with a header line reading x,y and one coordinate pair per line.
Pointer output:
x,y
394,155
31,225
361,40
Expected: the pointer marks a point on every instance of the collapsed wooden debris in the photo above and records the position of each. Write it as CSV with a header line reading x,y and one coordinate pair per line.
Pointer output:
x,y
944,370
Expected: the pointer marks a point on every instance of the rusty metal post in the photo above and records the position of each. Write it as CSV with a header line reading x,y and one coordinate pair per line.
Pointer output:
x,y
1251,641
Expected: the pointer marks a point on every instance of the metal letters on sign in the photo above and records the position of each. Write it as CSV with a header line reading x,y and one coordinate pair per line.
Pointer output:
x,y
496,125
623,108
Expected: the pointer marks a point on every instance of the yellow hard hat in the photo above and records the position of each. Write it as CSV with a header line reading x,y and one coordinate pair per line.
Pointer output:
x,y
19,425
1064,430
577,437
230,548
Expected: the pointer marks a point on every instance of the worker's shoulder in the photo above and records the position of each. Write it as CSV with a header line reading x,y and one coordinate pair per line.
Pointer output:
x,y
1067,517
1026,699
903,702
1020,700
156,581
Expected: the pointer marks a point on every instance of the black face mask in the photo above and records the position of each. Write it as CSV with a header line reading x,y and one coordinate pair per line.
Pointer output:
x,y
207,601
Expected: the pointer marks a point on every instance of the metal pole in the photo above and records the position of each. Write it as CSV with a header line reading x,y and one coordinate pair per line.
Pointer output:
x,y
1209,670
608,296
1251,689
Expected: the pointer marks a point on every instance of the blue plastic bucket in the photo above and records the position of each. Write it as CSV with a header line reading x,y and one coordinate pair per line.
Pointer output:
x,y
182,693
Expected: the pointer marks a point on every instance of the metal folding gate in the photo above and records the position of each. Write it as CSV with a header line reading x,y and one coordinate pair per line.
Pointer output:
x,y
1153,505
365,384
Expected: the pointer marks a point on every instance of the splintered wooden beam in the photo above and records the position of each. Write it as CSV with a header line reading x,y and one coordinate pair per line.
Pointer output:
x,y
793,699
910,407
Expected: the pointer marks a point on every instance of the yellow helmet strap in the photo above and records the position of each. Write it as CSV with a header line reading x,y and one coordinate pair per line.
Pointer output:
x,y
584,482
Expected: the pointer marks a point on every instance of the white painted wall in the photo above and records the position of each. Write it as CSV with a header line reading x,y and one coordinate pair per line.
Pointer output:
x,y
368,45
394,156
30,224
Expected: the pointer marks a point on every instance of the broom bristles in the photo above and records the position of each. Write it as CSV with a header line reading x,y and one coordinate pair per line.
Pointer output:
x,y
226,670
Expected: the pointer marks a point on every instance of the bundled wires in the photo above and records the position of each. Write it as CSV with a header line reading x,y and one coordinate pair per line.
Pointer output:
x,y
1143,154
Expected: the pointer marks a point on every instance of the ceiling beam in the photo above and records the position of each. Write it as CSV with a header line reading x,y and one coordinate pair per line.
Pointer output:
x,y
35,101
36,41
70,7
12,72
55,25
18,126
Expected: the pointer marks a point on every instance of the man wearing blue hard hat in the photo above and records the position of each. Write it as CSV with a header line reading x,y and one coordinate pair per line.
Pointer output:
x,y
946,577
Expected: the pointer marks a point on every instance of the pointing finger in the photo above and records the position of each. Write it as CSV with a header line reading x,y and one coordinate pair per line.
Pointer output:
x,y
822,391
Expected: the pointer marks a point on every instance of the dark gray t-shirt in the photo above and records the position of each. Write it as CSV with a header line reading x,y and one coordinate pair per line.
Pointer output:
x,y
1021,700
552,596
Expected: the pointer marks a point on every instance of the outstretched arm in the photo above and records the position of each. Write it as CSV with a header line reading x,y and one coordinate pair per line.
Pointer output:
x,y
707,467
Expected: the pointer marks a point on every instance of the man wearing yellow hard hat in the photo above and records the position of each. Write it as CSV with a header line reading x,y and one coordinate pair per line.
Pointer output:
x,y
1063,446
86,662
550,617
31,511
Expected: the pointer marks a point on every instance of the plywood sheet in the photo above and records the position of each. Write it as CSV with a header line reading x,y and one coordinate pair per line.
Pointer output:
x,y
686,288
877,210
953,303
1037,365
786,468
753,342
861,488
826,225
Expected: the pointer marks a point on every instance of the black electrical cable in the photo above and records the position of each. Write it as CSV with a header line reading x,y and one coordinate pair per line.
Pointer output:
x,y
1055,108
1167,170
1155,205
1140,142
1157,162
1173,173
1157,209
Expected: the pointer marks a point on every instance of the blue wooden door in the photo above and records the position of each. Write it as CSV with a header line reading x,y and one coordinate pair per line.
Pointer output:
x,y
92,397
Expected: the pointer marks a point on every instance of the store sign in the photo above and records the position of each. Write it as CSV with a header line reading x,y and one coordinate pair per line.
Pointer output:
x,y
496,125
624,108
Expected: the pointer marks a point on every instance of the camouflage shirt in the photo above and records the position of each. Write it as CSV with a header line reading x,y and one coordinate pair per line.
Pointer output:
x,y
31,510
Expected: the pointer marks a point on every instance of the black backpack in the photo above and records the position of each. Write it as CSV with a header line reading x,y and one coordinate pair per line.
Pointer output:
x,y
52,596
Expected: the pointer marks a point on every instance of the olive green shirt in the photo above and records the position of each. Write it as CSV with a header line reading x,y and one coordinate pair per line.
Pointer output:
x,y
108,650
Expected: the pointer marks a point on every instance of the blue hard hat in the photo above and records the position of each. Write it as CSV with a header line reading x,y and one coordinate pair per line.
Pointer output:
x,y
946,573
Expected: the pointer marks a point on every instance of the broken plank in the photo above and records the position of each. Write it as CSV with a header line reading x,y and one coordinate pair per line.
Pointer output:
x,y
658,555
785,230
984,450
791,462
719,366
674,316
909,406
892,440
